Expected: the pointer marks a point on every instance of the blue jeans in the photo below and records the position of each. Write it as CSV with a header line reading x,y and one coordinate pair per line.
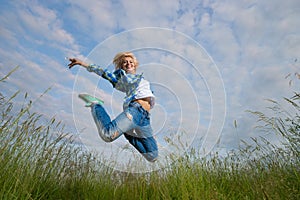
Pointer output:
x,y
133,122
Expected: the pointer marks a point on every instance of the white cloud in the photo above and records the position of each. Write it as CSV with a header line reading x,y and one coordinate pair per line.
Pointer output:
x,y
144,13
94,15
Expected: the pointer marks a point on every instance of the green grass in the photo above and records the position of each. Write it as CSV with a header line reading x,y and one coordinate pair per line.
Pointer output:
x,y
40,161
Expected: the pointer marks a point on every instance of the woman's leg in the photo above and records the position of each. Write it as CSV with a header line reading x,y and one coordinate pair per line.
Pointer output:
x,y
142,136
109,130
136,142
146,146
131,118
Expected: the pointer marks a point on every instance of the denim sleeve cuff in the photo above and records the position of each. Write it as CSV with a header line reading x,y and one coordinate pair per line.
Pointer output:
x,y
94,68
91,67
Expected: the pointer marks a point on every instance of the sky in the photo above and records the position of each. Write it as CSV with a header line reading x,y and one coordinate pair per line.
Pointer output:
x,y
208,62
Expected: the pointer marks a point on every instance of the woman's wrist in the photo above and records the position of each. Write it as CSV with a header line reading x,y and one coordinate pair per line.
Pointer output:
x,y
83,64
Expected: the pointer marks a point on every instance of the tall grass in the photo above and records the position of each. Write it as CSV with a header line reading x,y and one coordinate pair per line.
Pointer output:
x,y
40,161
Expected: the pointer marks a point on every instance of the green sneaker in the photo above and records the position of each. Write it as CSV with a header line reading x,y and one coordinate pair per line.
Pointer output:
x,y
89,100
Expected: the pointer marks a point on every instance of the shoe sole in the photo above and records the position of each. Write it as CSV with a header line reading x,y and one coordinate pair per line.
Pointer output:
x,y
87,99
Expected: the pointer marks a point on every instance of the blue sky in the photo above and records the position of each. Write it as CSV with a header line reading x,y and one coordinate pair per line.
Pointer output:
x,y
209,61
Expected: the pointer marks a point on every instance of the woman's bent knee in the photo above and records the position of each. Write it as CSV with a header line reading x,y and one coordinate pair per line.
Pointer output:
x,y
109,137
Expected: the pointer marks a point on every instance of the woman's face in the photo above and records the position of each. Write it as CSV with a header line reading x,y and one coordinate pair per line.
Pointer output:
x,y
128,65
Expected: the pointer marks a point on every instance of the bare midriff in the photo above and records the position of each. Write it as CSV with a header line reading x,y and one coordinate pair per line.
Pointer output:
x,y
144,102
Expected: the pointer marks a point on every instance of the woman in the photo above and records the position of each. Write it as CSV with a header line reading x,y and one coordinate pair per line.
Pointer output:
x,y
134,121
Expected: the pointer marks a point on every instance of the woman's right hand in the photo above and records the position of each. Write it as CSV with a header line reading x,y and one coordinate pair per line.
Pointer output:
x,y
76,61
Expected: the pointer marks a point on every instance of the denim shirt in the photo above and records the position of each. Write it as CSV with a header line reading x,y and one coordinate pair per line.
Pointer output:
x,y
130,84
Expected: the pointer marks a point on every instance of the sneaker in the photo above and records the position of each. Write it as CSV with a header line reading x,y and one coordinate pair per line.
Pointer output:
x,y
90,100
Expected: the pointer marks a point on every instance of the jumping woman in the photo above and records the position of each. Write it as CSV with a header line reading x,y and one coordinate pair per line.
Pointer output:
x,y
134,121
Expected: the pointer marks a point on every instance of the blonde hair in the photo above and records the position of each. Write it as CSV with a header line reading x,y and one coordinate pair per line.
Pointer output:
x,y
118,59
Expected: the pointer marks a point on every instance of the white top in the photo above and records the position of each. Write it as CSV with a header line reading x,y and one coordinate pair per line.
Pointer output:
x,y
143,90
134,85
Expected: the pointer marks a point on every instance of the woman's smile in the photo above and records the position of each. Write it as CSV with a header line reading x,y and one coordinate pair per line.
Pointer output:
x,y
128,65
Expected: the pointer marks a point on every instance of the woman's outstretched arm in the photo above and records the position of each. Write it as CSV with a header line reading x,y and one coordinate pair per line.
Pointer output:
x,y
111,77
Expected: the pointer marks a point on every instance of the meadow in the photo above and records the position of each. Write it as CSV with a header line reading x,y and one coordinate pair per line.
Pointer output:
x,y
39,160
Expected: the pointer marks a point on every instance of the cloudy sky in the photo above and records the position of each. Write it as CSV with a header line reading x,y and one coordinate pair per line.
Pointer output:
x,y
209,61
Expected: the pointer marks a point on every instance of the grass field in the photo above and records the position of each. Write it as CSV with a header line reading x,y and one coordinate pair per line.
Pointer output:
x,y
40,161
